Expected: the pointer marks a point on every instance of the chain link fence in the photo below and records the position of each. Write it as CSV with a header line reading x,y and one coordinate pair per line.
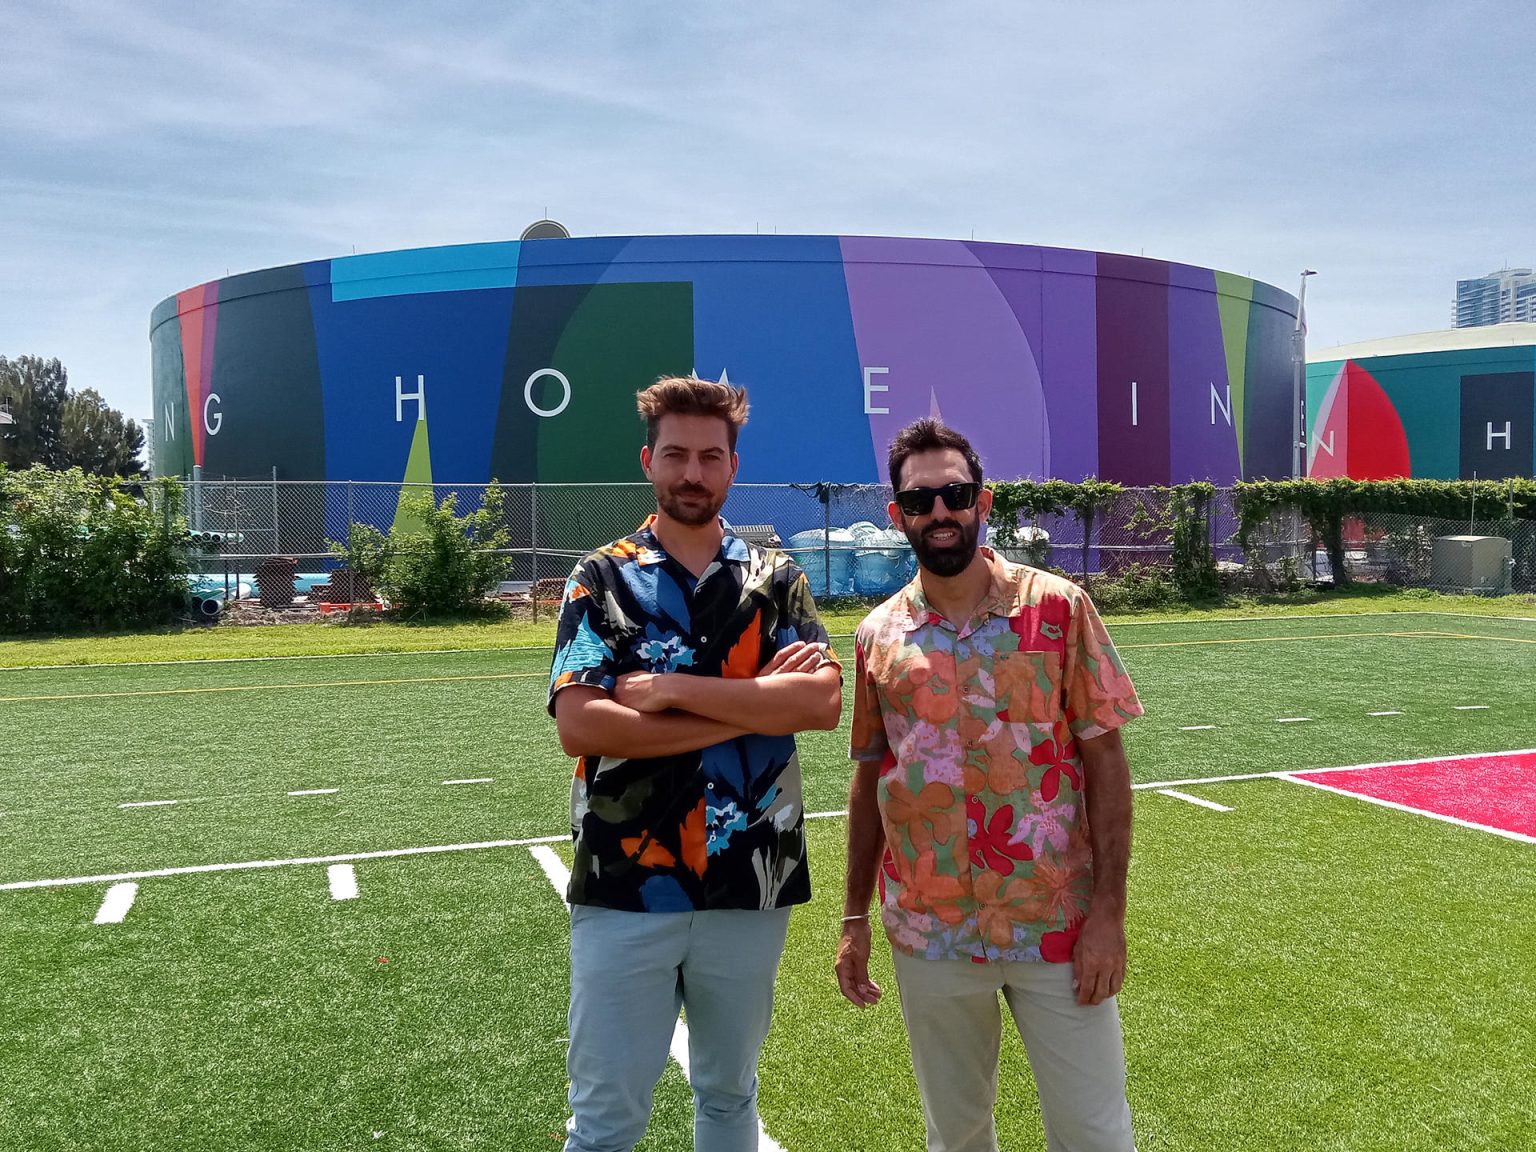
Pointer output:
x,y
840,535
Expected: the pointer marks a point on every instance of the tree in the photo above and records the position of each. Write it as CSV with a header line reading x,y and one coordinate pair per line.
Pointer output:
x,y
59,428
97,439
35,390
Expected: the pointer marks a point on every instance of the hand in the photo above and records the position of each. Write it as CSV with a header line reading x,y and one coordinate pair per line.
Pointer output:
x,y
853,965
644,691
798,656
1098,958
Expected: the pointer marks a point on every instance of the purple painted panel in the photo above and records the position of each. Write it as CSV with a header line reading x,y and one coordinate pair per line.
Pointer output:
x,y
1132,308
1203,445
928,311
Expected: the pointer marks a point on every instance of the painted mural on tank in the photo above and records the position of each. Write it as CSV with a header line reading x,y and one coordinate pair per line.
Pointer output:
x,y
1456,414
519,360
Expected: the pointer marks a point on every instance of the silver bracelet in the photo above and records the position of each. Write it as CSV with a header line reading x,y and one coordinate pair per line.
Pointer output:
x,y
860,916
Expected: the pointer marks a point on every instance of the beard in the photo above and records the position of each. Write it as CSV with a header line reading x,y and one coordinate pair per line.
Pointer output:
x,y
701,507
950,559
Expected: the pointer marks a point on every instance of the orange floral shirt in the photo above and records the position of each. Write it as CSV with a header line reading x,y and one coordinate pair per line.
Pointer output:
x,y
981,784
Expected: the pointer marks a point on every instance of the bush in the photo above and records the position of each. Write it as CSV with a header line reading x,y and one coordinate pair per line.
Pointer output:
x,y
83,553
1135,586
444,564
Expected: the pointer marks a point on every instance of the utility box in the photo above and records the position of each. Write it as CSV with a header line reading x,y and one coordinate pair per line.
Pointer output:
x,y
1471,564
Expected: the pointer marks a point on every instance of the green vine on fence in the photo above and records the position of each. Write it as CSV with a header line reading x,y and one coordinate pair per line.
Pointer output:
x,y
1326,505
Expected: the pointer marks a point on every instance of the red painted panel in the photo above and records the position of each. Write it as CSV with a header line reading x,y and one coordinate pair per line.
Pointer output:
x,y
1378,446
1496,791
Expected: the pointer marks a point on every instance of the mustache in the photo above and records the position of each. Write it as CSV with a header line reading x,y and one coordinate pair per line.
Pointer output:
x,y
690,490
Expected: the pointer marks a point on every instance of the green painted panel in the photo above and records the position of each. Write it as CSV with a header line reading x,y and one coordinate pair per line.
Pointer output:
x,y
621,338
1234,300
168,387
418,470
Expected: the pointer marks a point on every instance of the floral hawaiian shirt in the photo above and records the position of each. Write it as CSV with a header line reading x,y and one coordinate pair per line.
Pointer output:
x,y
719,828
981,784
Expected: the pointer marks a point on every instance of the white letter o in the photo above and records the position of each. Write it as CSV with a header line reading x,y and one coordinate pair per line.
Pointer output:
x,y
528,393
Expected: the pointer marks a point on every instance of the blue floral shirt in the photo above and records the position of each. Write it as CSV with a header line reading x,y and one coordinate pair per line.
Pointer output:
x,y
723,827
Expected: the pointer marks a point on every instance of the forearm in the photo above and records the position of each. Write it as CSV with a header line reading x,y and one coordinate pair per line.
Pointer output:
x,y
776,705
1107,781
603,727
866,838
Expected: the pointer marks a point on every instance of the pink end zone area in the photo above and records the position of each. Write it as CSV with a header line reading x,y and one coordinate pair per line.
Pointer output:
x,y
1493,791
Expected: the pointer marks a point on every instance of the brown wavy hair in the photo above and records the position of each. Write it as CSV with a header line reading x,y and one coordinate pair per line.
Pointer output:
x,y
690,396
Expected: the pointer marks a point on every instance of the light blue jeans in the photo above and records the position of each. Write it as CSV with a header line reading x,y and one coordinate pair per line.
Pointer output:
x,y
630,974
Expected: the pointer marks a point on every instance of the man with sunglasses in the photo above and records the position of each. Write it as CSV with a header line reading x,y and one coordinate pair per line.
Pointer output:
x,y
991,798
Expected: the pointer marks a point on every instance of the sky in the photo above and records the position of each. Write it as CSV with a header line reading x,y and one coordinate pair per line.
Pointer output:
x,y
149,147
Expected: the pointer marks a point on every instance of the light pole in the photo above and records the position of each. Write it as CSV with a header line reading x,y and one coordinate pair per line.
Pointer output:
x,y
1298,366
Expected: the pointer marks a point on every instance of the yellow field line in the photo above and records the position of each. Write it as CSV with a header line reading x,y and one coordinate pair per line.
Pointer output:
x,y
269,687
1475,636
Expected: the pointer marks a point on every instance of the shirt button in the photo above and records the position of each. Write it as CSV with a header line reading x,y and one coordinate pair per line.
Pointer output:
x,y
710,785
703,639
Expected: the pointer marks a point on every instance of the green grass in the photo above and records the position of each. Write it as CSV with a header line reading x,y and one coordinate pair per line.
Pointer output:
x,y
840,617
1308,971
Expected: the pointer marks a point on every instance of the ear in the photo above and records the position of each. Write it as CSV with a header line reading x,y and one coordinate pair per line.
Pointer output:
x,y
984,504
735,466
893,510
645,460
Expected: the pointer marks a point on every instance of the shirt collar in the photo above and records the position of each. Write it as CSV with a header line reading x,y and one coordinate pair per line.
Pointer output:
x,y
732,547
1004,597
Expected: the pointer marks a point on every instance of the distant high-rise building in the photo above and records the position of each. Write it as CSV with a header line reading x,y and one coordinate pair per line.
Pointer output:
x,y
1497,298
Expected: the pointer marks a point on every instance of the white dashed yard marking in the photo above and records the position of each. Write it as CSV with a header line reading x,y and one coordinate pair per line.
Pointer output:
x,y
295,862
1384,713
1471,707
343,880
560,876
148,804
315,792
1293,720
1188,799
554,867
1198,728
115,906
475,780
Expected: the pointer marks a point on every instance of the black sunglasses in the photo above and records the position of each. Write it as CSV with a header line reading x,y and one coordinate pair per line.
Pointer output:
x,y
919,501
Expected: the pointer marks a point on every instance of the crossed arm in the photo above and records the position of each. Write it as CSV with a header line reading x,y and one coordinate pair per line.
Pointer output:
x,y
663,714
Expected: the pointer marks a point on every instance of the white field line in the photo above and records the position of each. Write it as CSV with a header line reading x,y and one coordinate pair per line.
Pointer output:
x,y
302,861
115,906
46,698
1188,799
1384,713
148,803
1199,728
554,867
296,862
475,780
1504,832
1293,720
343,881
315,792
1470,707
560,878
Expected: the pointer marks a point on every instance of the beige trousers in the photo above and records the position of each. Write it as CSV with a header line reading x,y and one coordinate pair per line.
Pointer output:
x,y
955,1027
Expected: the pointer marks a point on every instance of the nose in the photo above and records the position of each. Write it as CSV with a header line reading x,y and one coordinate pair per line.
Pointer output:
x,y
693,471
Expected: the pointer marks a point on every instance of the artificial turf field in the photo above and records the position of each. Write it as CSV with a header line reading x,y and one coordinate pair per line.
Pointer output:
x,y
1308,970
